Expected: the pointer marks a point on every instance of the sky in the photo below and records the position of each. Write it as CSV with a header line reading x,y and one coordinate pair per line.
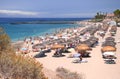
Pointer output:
x,y
56,8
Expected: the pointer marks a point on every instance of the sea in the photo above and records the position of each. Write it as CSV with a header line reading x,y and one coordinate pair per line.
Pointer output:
x,y
21,28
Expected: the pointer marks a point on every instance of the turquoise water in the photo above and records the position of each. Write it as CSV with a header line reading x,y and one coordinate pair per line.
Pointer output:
x,y
20,31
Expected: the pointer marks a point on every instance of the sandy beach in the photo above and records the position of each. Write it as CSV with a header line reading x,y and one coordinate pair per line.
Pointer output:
x,y
94,68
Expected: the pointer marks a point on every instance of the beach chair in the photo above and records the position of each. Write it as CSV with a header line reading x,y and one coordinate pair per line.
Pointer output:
x,y
58,54
110,59
86,54
41,54
74,55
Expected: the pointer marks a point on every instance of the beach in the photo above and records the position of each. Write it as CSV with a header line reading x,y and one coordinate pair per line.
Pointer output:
x,y
94,68
59,39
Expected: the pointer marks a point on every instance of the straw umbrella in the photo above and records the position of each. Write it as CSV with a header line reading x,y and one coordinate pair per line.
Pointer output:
x,y
39,46
108,48
88,43
110,39
82,50
59,35
83,47
56,46
107,43
93,38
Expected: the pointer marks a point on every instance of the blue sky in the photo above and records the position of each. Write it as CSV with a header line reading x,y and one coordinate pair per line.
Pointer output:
x,y
56,8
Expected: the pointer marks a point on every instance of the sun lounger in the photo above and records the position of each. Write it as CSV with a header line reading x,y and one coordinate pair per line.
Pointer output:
x,y
86,54
109,61
58,55
41,54
47,50
78,61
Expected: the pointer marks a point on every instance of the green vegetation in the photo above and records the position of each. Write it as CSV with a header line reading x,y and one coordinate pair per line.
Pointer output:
x,y
14,66
117,16
99,16
4,40
66,74
117,13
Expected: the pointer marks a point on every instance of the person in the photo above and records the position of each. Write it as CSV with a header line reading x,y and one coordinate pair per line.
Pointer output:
x,y
27,44
102,36
80,58
32,42
56,52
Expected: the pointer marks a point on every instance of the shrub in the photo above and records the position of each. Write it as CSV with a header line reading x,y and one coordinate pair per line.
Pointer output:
x,y
14,66
66,74
4,40
19,67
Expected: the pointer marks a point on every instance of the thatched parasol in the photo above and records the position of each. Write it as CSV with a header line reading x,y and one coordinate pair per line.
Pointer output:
x,y
88,43
56,46
109,43
83,47
59,35
41,46
110,39
108,48
93,38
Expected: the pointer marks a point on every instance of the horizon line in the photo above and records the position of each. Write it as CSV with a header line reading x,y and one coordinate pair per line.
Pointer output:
x,y
46,17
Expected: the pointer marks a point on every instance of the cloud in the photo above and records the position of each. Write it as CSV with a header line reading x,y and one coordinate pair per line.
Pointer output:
x,y
18,12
